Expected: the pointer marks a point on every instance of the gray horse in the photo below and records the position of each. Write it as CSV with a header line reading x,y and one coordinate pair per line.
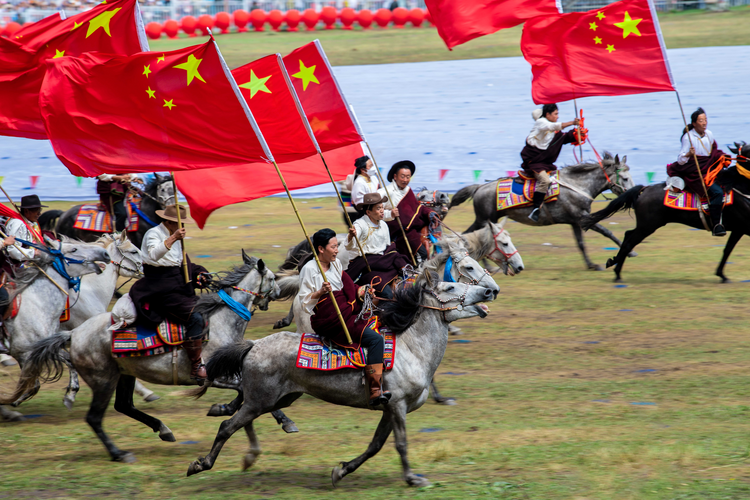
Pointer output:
x,y
270,379
579,185
42,302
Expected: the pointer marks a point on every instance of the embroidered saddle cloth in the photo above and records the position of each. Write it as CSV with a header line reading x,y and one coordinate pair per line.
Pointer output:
x,y
316,353
138,340
515,194
687,200
91,218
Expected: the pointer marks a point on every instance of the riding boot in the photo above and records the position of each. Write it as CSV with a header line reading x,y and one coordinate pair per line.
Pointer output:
x,y
374,375
193,349
537,200
715,211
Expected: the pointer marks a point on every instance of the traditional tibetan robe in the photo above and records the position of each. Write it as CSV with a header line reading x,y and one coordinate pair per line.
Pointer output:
x,y
708,154
413,215
324,319
383,258
543,145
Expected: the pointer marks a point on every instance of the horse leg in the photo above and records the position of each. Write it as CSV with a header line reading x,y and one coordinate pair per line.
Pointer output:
x,y
287,320
124,404
632,238
398,420
381,435
609,234
73,387
144,392
734,237
438,398
243,418
8,415
578,233
99,403
249,459
286,423
222,410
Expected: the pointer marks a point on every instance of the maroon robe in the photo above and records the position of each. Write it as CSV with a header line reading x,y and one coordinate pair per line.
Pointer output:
x,y
689,173
414,216
384,268
543,160
326,322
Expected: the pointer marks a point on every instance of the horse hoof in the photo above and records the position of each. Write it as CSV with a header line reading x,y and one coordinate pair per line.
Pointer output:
x,y
632,254
248,461
14,416
337,474
218,410
280,324
195,467
151,398
446,401
290,427
610,262
68,402
125,457
725,280
165,434
595,267
618,280
418,481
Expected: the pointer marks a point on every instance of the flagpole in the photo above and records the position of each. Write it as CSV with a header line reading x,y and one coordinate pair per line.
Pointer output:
x,y
180,226
270,159
37,236
580,144
695,156
310,133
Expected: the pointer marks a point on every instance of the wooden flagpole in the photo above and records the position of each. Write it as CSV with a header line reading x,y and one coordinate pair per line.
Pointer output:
x,y
180,226
580,145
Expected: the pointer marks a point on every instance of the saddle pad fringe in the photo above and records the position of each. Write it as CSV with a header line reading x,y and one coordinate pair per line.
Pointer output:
x,y
687,200
508,195
316,353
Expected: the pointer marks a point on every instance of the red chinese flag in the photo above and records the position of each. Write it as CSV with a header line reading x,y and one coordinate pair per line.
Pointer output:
x,y
459,21
6,211
113,28
617,50
152,111
322,100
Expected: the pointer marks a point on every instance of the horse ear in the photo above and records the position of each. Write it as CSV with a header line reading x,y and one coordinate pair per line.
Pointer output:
x,y
159,178
624,159
261,265
503,221
123,236
617,159
246,258
736,149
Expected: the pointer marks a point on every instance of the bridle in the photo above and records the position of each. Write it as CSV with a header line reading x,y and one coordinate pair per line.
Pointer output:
x,y
260,294
469,279
443,309
506,255
139,265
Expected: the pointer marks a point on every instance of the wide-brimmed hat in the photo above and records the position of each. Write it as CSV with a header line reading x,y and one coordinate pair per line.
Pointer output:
x,y
170,213
398,166
31,201
371,199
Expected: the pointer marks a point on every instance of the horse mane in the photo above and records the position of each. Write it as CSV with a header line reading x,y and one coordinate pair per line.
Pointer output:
x,y
399,314
478,243
26,275
208,303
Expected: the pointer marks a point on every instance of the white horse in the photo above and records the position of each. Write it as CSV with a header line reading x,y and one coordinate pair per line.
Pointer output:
x,y
42,302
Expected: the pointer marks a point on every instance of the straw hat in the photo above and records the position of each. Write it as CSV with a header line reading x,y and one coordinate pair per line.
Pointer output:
x,y
371,199
170,213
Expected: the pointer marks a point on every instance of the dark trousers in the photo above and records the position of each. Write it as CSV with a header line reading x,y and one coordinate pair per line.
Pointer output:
x,y
375,345
195,326
3,301
121,214
715,195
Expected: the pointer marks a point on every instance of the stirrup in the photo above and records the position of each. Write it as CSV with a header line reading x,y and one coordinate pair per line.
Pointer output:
x,y
382,399
534,215
719,230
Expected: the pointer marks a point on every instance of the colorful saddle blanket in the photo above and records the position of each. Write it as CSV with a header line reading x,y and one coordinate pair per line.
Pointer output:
x,y
316,353
687,200
91,218
137,340
513,194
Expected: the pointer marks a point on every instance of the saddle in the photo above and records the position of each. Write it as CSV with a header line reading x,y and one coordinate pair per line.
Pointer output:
x,y
140,340
96,217
687,200
519,191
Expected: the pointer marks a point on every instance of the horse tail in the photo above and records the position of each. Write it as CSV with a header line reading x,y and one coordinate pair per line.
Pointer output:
x,y
464,194
288,281
48,220
45,362
227,360
623,202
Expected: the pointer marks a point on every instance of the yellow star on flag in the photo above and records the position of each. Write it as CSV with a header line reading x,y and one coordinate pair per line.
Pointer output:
x,y
593,26
161,59
597,40
76,25
58,53
600,15
151,93
306,74
191,66
319,125
629,26
256,84
147,70
101,21
610,48
169,104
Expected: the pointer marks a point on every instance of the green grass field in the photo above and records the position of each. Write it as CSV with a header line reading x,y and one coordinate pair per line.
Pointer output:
x,y
546,389
379,46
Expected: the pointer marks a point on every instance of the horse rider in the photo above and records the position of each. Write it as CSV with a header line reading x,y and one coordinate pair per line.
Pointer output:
x,y
314,297
25,228
543,146
162,293
9,241
384,260
708,154
403,203
112,190
365,181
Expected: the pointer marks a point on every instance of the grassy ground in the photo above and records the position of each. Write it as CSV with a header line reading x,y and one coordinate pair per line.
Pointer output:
x,y
571,389
378,46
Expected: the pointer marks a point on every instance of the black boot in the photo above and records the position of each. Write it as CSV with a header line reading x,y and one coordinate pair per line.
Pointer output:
x,y
537,200
718,230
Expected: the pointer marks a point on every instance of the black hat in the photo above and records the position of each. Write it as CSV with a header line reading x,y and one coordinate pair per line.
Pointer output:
x,y
398,166
31,201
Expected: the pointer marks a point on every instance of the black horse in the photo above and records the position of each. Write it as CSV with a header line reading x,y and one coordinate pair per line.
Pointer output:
x,y
158,194
651,214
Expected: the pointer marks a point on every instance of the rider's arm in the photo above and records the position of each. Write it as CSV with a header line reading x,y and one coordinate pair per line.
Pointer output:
x,y
154,247
16,228
684,151
308,285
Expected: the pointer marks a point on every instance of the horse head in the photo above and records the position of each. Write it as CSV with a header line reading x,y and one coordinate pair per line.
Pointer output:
x,y
125,256
162,190
80,258
742,150
504,252
467,270
437,200
259,281
455,300
618,173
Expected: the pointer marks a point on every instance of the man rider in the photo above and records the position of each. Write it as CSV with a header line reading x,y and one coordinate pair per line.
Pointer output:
x,y
26,228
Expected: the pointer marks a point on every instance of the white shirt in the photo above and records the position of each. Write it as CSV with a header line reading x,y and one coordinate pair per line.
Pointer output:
x,y
542,133
310,281
155,252
395,194
110,177
373,237
361,186
702,145
16,227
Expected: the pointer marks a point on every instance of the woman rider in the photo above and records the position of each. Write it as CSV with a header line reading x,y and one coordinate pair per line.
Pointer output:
x,y
384,260
543,146
708,153
365,181
314,297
